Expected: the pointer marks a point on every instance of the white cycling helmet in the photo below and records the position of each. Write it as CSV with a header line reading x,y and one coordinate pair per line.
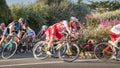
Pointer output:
x,y
44,27
74,19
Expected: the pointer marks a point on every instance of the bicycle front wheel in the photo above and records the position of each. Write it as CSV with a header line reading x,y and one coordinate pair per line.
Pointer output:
x,y
39,51
103,51
9,50
70,54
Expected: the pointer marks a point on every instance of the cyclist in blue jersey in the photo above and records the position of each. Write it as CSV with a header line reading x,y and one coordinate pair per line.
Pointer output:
x,y
14,26
29,34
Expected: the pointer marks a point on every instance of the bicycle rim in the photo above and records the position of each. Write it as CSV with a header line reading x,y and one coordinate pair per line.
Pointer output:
x,y
39,51
9,50
103,51
118,55
72,53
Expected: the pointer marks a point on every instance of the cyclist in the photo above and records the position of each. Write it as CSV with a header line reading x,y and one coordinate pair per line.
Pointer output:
x,y
55,30
14,26
115,37
29,33
41,33
2,28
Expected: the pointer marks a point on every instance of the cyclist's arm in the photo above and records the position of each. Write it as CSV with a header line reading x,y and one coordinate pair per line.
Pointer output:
x,y
11,29
67,26
19,34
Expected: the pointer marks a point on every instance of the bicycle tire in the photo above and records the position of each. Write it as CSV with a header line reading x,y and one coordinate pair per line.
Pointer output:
x,y
54,51
67,57
38,52
101,54
9,50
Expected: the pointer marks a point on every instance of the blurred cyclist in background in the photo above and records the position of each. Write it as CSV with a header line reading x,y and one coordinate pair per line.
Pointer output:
x,y
15,26
2,28
41,33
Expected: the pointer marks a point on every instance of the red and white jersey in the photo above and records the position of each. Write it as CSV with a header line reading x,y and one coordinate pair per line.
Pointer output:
x,y
116,29
63,25
56,29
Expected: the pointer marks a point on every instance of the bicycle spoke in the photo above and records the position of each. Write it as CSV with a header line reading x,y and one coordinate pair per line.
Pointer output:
x,y
71,53
9,50
39,52
103,51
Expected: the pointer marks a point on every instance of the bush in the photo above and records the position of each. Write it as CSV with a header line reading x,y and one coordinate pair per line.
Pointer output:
x,y
40,13
33,14
4,11
98,25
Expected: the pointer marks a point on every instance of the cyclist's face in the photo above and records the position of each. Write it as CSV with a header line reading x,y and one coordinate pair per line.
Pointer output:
x,y
72,22
21,23
2,25
24,27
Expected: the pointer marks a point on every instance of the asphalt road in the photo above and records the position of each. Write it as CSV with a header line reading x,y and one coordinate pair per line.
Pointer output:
x,y
27,61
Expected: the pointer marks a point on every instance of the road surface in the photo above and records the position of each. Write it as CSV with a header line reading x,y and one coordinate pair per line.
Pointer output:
x,y
27,61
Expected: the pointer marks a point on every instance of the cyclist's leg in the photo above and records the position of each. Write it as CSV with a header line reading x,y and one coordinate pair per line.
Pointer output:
x,y
2,40
4,36
114,43
53,33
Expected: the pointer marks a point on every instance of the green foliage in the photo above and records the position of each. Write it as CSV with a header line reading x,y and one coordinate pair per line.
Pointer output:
x,y
59,12
80,11
48,12
93,34
4,11
94,19
107,19
102,6
65,10
35,14
110,14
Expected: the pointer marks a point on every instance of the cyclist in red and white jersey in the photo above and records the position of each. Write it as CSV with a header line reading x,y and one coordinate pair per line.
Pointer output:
x,y
115,37
115,33
55,30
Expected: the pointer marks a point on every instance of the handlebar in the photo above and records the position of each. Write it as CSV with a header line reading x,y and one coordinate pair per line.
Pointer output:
x,y
66,34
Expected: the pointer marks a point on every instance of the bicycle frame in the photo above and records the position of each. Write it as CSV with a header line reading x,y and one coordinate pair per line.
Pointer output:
x,y
7,43
110,46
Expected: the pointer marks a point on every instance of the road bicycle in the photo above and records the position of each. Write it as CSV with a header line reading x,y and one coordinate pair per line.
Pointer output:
x,y
9,48
40,49
105,50
66,50
27,45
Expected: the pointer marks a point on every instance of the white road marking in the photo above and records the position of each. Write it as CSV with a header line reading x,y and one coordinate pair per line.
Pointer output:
x,y
87,60
10,65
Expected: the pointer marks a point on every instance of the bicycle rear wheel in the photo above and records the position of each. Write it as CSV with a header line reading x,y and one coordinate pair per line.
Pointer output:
x,y
103,51
39,51
72,52
118,55
9,50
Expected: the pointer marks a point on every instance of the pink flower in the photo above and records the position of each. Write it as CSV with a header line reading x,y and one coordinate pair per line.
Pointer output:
x,y
86,17
98,20
80,23
91,15
115,21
